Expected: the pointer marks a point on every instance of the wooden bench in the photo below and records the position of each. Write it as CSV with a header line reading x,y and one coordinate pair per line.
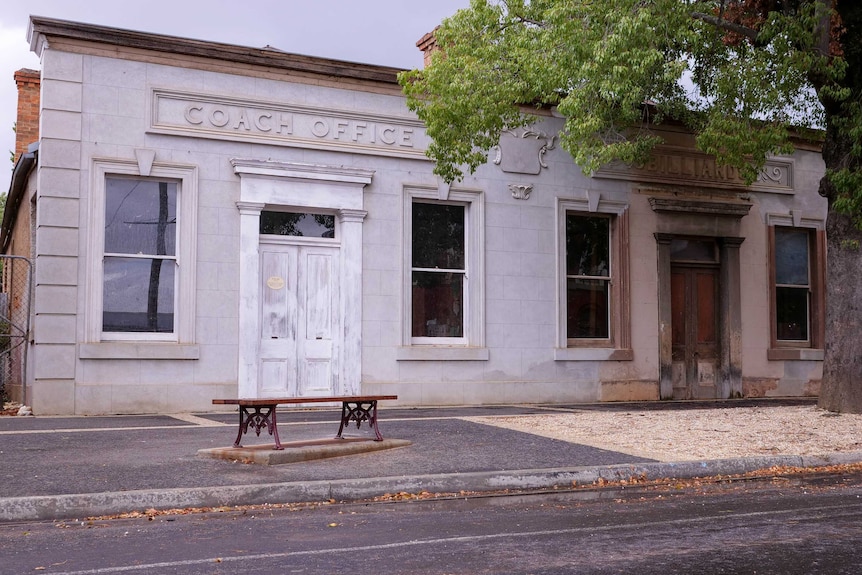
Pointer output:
x,y
357,408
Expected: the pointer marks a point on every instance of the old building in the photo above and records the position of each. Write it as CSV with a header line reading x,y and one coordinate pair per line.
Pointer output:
x,y
211,220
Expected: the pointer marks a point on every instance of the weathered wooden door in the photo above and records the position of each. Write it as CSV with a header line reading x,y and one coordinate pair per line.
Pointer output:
x,y
694,327
299,320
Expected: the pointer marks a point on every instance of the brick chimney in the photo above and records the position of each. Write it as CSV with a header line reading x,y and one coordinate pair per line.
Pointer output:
x,y
27,126
428,45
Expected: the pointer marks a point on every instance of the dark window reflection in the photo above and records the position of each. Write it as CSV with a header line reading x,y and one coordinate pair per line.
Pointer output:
x,y
140,220
438,261
297,224
791,259
587,246
140,217
437,304
587,308
791,306
588,264
792,284
131,301
682,249
438,236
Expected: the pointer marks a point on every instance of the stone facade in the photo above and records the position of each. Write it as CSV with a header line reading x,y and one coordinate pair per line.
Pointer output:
x,y
239,138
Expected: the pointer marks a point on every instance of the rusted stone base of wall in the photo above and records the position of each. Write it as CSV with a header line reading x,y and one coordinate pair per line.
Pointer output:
x,y
629,391
812,388
755,387
758,386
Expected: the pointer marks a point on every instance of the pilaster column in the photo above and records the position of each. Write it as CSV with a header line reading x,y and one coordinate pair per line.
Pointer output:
x,y
730,319
249,296
665,335
350,229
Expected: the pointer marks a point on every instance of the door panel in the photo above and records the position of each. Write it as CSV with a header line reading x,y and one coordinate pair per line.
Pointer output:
x,y
318,267
694,329
706,326
299,321
277,322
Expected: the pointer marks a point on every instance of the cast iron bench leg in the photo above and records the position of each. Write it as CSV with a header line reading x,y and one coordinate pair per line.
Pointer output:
x,y
273,429
355,411
258,421
243,425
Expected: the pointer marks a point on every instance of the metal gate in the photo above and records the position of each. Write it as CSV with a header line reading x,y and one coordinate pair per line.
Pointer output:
x,y
17,274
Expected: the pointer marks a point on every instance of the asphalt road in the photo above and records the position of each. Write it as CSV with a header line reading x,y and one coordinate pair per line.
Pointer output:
x,y
783,526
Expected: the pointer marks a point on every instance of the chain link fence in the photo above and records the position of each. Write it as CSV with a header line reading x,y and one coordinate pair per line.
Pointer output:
x,y
14,327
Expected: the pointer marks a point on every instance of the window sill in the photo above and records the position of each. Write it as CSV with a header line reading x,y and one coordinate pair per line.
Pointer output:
x,y
593,354
441,353
794,354
138,350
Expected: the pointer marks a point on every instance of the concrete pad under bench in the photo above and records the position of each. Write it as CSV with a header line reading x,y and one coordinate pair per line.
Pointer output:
x,y
296,451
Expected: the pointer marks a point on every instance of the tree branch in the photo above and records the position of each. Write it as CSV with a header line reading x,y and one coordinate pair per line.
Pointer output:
x,y
726,25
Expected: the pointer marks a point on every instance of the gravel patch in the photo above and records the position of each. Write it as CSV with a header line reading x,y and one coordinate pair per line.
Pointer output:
x,y
685,435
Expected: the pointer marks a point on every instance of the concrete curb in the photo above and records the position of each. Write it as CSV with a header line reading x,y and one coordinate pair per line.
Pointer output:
x,y
298,451
54,507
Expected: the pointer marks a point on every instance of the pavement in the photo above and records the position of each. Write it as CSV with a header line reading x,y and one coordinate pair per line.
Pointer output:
x,y
54,468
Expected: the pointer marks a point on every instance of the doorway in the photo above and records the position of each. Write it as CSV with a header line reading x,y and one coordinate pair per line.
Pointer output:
x,y
694,328
700,321
694,291
299,320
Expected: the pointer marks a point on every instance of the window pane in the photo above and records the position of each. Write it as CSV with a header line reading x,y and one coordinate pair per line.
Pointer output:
x,y
791,257
438,236
138,295
692,250
791,307
587,246
140,216
294,224
438,304
587,308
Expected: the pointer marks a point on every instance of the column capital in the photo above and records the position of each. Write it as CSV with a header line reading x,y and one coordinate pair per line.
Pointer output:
x,y
730,242
348,215
250,208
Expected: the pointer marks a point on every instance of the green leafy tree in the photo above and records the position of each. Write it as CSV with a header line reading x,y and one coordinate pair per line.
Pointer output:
x,y
743,75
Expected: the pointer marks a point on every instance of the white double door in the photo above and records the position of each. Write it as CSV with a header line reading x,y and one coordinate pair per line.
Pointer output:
x,y
300,320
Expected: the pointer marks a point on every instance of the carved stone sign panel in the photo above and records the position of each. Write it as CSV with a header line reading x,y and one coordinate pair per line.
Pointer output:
x,y
226,118
523,153
682,166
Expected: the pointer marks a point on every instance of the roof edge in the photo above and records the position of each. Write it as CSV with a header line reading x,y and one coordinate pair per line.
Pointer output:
x,y
17,188
41,29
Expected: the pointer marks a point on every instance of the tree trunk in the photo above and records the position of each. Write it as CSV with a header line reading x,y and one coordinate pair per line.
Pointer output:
x,y
841,389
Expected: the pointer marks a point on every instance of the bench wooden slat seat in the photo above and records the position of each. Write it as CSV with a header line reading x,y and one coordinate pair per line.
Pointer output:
x,y
354,408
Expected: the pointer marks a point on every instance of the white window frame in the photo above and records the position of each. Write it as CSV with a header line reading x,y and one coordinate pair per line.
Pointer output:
x,y
471,345
184,292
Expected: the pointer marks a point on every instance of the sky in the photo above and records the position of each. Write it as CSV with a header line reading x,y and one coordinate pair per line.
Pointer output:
x,y
380,32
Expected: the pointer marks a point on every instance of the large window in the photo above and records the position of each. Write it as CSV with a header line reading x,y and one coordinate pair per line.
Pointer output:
x,y
140,256
792,284
797,270
593,287
443,313
438,268
141,281
588,276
